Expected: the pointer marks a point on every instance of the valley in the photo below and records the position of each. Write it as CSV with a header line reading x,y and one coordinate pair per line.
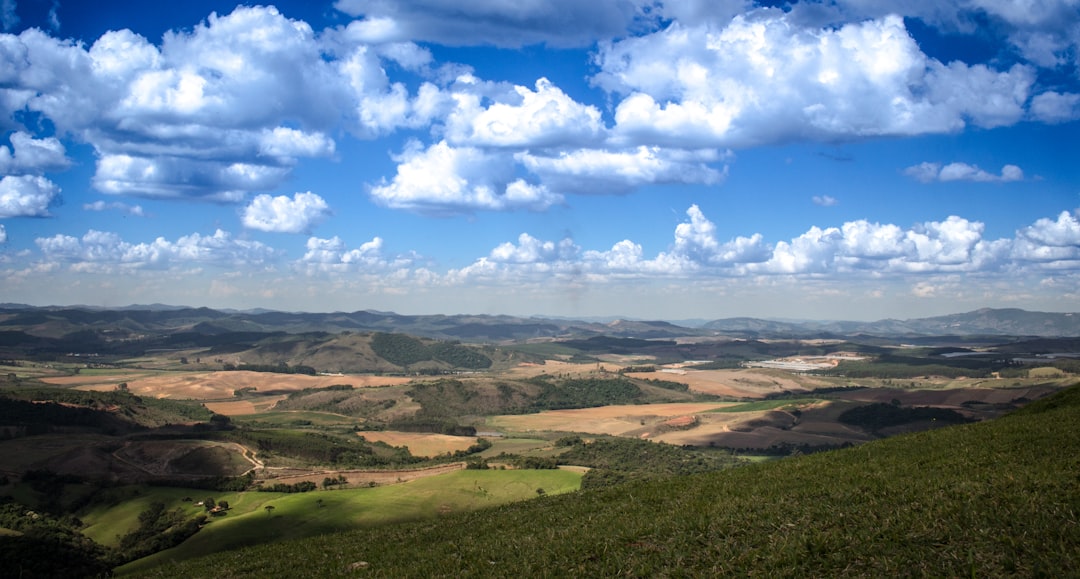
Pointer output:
x,y
302,434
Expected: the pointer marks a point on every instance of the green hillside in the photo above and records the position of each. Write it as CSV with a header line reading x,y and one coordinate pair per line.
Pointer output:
x,y
990,499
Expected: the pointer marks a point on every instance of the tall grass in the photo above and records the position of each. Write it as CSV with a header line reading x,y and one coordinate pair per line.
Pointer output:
x,y
989,499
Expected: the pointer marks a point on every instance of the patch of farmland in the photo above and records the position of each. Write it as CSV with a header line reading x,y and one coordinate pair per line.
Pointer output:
x,y
530,370
420,443
622,420
741,383
218,385
244,407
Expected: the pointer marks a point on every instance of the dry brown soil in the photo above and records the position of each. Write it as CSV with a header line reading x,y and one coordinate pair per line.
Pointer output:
x,y
219,385
741,383
421,444
615,420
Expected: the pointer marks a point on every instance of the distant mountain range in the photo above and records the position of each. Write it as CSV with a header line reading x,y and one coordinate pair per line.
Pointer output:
x,y
986,321
63,321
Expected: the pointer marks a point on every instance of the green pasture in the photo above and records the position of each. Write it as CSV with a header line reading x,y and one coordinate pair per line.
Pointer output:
x,y
311,418
116,510
300,515
511,445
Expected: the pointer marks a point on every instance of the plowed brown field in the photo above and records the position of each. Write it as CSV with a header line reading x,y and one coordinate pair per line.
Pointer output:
x,y
615,420
419,443
735,383
218,385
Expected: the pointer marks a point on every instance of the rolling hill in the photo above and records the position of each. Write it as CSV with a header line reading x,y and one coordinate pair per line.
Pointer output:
x,y
990,499
137,323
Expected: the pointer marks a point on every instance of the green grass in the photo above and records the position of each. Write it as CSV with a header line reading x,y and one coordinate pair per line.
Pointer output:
x,y
767,405
299,515
514,445
117,510
310,418
985,500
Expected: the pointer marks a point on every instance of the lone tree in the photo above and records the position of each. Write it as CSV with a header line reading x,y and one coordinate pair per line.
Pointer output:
x,y
269,509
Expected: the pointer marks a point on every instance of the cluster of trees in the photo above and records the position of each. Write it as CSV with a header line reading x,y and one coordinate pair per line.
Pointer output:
x,y
582,393
433,425
281,368
668,385
46,546
160,529
339,480
535,462
447,398
300,487
402,350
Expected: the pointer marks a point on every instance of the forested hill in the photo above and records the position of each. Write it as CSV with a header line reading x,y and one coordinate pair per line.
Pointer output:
x,y
121,323
56,322
997,498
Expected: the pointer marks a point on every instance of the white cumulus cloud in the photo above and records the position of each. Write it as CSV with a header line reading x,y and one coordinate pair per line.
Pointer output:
x,y
30,155
284,215
102,251
532,250
99,205
217,111
443,180
1054,107
540,118
765,78
853,250
27,196
331,255
603,171
928,172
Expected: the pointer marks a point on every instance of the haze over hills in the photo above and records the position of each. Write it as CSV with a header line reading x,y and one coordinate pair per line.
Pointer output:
x,y
59,321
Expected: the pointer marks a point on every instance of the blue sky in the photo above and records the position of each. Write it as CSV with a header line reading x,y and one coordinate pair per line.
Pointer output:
x,y
637,158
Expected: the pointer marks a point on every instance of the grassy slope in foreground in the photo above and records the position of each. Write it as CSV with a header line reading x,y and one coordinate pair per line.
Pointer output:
x,y
300,515
988,499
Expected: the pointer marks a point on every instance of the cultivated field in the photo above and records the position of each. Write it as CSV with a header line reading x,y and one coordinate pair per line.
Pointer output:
x,y
419,443
621,420
245,407
217,385
530,370
742,383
